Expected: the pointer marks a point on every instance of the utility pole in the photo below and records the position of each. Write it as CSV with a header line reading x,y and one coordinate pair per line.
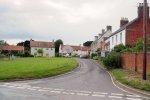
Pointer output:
x,y
144,39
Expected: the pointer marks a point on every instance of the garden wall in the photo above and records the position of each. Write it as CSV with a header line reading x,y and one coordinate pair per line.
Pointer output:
x,y
134,61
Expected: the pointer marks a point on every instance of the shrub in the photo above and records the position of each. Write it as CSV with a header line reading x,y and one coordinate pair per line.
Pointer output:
x,y
93,55
119,48
112,60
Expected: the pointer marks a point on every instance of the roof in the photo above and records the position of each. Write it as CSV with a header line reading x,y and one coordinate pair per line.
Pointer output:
x,y
42,44
123,27
76,48
15,48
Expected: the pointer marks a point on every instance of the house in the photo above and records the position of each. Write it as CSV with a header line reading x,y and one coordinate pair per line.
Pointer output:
x,y
99,43
19,49
73,50
129,32
48,48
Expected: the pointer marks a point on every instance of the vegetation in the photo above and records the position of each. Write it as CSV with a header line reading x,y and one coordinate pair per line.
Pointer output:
x,y
132,79
87,44
57,45
112,60
28,68
40,51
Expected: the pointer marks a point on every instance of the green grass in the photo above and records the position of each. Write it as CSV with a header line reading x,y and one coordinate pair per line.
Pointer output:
x,y
132,79
30,68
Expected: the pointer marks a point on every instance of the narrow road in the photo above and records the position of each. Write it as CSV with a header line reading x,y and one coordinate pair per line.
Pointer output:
x,y
89,82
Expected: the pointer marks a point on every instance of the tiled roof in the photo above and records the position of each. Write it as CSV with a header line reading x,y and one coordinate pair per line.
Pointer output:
x,y
123,27
42,44
15,48
76,48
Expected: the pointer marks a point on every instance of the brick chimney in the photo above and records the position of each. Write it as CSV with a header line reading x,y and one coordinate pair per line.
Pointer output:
x,y
123,21
96,38
109,28
140,10
103,31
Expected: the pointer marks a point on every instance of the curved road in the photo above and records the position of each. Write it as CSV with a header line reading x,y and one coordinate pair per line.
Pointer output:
x,y
88,82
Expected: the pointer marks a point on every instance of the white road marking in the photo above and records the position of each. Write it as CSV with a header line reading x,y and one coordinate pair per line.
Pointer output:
x,y
133,99
85,91
100,93
59,89
68,93
31,89
11,86
133,96
36,87
96,95
117,94
116,97
55,91
42,90
83,94
20,87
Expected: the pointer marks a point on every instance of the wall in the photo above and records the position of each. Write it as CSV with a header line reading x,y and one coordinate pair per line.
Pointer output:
x,y
134,61
113,41
47,52
135,31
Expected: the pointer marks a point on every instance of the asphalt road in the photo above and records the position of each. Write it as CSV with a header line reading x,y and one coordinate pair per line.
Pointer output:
x,y
88,82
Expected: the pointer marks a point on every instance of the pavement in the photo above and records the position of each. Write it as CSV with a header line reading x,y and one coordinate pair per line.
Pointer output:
x,y
88,82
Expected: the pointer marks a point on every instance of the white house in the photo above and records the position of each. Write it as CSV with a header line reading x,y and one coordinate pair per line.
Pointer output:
x,y
48,48
99,42
73,50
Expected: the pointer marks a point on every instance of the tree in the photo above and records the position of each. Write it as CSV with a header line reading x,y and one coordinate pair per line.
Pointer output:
x,y
88,43
57,45
40,51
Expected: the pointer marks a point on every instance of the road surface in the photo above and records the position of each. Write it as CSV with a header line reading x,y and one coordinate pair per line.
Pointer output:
x,y
88,82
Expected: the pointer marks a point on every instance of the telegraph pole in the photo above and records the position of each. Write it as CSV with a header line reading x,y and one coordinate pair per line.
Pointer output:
x,y
144,39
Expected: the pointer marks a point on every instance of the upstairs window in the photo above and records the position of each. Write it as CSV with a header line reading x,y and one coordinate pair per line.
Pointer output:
x,y
121,37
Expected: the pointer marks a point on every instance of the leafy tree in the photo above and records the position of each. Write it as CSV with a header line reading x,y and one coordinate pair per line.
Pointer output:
x,y
119,48
88,43
40,51
57,45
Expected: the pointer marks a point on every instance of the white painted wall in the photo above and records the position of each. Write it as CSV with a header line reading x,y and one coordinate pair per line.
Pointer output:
x,y
47,52
116,39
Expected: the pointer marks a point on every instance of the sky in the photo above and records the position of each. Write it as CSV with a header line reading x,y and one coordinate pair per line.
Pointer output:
x,y
73,21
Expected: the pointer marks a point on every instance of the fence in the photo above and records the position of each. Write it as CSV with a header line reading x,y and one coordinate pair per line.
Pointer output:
x,y
134,61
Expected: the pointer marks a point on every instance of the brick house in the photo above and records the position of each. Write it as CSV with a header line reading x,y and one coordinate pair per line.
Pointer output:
x,y
129,32
19,49
73,50
48,48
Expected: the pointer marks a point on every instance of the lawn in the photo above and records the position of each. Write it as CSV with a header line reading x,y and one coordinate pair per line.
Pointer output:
x,y
30,68
132,79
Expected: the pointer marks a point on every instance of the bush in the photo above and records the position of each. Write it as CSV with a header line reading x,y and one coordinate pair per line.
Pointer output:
x,y
93,55
119,48
112,60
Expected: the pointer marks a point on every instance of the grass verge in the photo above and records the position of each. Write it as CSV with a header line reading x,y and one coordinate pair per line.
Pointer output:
x,y
130,78
30,68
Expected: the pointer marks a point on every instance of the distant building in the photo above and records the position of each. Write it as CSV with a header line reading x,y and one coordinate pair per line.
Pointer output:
x,y
19,49
99,42
73,50
48,48
129,32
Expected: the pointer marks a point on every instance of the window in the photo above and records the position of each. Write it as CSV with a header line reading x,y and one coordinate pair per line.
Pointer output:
x,y
35,48
51,48
116,39
112,40
121,37
47,48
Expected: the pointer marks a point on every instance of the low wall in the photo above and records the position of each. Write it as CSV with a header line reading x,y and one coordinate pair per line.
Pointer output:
x,y
134,61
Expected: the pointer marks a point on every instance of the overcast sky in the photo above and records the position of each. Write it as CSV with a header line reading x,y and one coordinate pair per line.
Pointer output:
x,y
73,21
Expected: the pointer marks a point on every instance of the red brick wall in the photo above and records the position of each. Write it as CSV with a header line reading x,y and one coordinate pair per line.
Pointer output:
x,y
135,31
134,62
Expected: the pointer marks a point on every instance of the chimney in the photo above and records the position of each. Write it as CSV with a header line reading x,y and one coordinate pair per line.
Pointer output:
x,y
100,35
140,10
123,21
109,28
103,31
96,38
